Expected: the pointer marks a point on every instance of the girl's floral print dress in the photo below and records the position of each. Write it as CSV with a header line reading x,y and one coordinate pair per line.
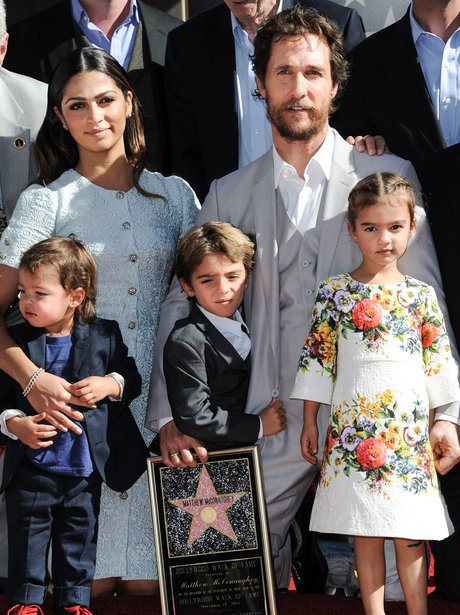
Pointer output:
x,y
379,355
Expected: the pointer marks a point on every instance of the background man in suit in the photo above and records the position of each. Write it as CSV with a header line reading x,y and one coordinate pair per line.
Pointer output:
x,y
404,86
294,200
22,109
216,124
131,30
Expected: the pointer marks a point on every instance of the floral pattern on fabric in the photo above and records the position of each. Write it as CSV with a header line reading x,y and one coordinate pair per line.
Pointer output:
x,y
404,314
380,357
382,442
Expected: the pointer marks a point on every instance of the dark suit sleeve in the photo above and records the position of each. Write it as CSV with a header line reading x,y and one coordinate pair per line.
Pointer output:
x,y
353,31
354,117
190,397
187,158
9,399
121,363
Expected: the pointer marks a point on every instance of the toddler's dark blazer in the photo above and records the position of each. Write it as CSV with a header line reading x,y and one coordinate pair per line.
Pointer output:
x,y
207,382
117,447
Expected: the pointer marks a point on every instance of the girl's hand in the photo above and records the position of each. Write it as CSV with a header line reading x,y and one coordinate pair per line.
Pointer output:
x,y
94,388
29,430
309,442
51,394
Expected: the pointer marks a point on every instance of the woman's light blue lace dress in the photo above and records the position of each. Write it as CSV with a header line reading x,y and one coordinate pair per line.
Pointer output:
x,y
133,239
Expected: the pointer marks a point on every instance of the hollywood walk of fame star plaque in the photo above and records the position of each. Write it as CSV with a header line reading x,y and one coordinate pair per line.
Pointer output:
x,y
211,536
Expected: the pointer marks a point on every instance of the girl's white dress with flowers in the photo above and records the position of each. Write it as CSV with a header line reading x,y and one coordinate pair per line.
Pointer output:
x,y
379,355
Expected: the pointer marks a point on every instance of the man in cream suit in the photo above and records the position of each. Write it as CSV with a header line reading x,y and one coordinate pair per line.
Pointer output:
x,y
22,109
294,199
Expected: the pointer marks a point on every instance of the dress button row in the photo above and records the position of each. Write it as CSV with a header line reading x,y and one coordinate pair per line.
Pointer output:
x,y
131,325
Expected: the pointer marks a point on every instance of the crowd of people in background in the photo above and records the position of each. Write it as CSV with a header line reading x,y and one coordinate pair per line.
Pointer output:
x,y
318,169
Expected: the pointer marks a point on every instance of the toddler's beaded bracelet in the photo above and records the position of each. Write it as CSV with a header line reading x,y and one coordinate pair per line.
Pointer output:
x,y
32,381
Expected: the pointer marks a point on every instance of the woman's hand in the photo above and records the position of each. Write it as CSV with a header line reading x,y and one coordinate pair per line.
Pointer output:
x,y
175,448
52,395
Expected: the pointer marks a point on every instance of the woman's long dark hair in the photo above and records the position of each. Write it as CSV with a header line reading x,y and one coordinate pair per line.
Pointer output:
x,y
55,148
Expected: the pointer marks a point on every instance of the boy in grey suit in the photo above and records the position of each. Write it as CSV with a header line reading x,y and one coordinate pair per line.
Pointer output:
x,y
207,355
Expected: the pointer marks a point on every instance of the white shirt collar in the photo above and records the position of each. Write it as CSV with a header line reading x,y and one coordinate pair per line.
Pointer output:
x,y
323,157
230,325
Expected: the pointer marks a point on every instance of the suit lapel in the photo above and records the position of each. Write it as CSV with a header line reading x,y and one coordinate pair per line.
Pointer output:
x,y
36,348
407,83
154,33
218,341
80,351
222,67
340,183
265,280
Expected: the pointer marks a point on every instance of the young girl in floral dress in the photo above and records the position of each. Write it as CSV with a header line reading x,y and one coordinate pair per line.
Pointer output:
x,y
378,353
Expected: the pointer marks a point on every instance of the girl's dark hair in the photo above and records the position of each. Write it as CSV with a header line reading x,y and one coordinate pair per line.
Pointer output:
x,y
375,188
74,265
55,148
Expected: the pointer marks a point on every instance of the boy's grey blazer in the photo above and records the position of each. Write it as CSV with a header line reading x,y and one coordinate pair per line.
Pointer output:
x,y
247,199
207,384
22,109
117,447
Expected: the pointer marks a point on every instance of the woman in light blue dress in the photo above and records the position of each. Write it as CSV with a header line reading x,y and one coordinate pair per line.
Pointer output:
x,y
92,184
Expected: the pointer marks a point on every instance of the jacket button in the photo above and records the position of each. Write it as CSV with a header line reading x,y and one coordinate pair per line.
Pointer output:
x,y
123,496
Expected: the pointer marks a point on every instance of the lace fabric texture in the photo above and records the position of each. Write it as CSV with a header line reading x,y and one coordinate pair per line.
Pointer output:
x,y
133,239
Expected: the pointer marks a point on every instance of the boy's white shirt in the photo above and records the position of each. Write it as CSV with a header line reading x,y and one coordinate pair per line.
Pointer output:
x,y
230,328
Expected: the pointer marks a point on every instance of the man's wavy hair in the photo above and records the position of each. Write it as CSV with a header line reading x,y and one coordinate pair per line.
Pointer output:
x,y
297,22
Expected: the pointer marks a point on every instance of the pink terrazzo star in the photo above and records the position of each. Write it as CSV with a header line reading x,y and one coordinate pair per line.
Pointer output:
x,y
208,509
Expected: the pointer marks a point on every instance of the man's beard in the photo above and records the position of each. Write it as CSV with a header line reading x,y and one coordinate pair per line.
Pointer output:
x,y
297,131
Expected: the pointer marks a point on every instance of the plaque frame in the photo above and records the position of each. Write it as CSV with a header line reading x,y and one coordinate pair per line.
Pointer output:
x,y
201,569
